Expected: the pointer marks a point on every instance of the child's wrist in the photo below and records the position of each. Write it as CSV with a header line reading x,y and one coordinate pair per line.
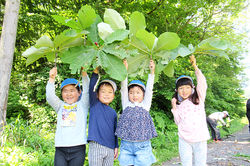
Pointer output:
x,y
52,80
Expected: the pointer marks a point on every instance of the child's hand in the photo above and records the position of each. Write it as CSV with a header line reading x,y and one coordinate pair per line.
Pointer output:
x,y
152,66
52,74
96,70
173,102
125,62
116,153
193,61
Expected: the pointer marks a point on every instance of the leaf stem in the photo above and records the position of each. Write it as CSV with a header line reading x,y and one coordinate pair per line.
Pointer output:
x,y
138,48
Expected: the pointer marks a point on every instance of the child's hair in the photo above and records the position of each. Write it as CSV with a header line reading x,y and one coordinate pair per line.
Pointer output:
x,y
137,83
186,80
132,86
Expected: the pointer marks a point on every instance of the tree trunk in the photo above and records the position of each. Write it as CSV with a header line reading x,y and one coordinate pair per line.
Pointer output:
x,y
7,48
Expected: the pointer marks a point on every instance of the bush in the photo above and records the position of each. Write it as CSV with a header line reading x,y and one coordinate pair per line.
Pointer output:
x,y
25,143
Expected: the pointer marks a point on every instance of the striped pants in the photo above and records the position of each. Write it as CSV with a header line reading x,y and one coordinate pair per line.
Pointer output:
x,y
100,155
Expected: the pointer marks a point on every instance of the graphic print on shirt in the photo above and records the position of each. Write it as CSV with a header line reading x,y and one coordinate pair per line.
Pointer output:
x,y
69,115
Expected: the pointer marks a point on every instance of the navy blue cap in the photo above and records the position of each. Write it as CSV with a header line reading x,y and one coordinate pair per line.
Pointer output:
x,y
137,82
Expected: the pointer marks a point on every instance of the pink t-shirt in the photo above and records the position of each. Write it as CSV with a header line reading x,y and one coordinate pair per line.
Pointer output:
x,y
191,118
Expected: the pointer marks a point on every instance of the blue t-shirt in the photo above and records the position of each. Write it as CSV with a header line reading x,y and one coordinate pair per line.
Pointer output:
x,y
102,119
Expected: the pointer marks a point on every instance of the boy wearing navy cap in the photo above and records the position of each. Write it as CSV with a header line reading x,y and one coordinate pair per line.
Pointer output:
x,y
70,137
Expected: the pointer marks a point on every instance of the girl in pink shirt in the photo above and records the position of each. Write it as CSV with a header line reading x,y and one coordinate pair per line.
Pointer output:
x,y
188,109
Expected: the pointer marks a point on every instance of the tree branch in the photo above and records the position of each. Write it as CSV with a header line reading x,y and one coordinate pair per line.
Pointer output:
x,y
158,5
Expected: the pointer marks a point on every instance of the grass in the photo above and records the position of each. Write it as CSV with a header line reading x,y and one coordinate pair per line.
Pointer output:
x,y
235,125
26,144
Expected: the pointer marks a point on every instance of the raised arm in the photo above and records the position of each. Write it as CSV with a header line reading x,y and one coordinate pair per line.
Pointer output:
x,y
149,87
85,88
93,80
51,97
124,88
201,80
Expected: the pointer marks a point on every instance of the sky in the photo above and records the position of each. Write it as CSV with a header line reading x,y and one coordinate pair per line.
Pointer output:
x,y
243,26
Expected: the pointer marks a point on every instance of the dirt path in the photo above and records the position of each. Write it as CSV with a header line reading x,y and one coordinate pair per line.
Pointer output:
x,y
233,151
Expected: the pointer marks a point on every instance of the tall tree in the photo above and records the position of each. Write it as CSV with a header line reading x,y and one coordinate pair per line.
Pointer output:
x,y
7,48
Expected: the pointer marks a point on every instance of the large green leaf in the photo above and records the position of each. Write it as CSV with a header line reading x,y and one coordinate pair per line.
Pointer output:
x,y
213,52
167,41
212,44
116,50
44,41
147,38
68,22
113,66
136,22
66,38
135,43
114,19
104,30
137,64
79,56
86,16
72,43
181,50
34,53
93,31
118,35
169,70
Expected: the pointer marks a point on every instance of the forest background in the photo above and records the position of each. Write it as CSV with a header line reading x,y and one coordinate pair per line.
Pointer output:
x,y
28,137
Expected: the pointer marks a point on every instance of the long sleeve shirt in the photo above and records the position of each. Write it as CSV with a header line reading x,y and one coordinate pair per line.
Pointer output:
x,y
135,123
218,116
147,101
102,119
191,118
71,118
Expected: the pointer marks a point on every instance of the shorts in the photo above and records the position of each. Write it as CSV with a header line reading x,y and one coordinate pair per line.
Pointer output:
x,y
136,153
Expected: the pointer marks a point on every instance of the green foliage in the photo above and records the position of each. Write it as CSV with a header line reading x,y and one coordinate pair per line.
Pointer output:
x,y
25,143
165,145
192,22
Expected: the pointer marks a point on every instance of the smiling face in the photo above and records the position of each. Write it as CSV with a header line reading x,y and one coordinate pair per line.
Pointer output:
x,y
106,94
185,91
70,94
135,94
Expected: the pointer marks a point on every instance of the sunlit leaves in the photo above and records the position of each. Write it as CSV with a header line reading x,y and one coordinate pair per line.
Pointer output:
x,y
136,22
86,16
44,41
104,30
167,41
66,21
114,19
79,56
169,70
118,35
113,66
34,54
147,38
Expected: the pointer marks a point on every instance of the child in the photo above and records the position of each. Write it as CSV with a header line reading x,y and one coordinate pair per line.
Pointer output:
x,y
103,144
135,125
70,137
188,109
